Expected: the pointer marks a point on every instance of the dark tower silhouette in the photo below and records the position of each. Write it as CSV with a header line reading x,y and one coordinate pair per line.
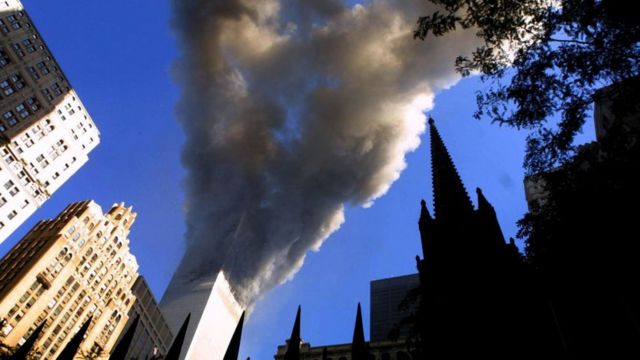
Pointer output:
x,y
21,354
234,345
120,351
359,350
69,351
176,346
293,345
473,284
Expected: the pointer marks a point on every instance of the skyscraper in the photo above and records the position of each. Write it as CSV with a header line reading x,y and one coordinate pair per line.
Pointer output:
x,y
66,270
152,335
214,310
46,133
387,296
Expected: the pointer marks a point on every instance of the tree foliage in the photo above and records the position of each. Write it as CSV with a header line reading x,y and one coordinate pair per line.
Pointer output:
x,y
544,59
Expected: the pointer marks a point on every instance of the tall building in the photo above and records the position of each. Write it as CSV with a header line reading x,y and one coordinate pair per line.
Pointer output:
x,y
152,335
214,310
66,270
387,296
46,133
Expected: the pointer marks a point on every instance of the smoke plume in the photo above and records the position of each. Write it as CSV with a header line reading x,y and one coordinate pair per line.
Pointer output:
x,y
293,110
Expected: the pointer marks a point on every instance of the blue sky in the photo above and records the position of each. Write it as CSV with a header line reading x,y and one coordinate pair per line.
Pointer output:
x,y
118,55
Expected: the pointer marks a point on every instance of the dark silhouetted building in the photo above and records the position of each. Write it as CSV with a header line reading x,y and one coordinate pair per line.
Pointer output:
x,y
387,315
152,335
477,296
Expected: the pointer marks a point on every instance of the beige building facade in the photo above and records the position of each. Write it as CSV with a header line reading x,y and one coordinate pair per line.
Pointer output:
x,y
46,133
66,270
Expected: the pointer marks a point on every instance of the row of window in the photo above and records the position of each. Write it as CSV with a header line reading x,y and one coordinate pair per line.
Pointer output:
x,y
12,22
12,84
21,112
29,45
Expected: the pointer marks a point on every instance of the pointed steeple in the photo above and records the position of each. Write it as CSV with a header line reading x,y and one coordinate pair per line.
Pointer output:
x,y
293,346
176,346
69,351
490,220
450,198
120,351
21,354
425,225
359,349
234,345
483,203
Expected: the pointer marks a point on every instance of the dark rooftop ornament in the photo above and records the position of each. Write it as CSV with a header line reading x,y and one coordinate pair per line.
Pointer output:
x,y
450,197
176,346
21,354
69,351
120,351
293,346
234,345
359,350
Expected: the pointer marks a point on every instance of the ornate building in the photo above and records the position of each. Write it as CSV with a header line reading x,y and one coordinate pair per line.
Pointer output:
x,y
68,270
46,133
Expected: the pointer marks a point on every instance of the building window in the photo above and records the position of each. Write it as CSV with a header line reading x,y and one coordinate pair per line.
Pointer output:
x,y
4,58
34,73
43,68
57,90
22,111
33,104
18,50
8,184
17,81
3,27
10,118
12,214
2,201
15,23
6,88
46,93
29,45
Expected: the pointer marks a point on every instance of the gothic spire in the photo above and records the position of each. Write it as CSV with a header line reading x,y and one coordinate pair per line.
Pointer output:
x,y
450,198
293,348
359,349
176,347
234,345
69,351
120,351
23,352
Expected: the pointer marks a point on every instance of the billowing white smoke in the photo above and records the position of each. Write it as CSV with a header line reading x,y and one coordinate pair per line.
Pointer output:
x,y
292,111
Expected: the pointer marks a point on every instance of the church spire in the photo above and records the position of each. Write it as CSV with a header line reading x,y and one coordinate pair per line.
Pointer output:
x,y
450,198
293,345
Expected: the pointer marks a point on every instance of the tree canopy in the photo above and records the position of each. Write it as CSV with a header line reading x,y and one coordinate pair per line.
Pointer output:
x,y
545,60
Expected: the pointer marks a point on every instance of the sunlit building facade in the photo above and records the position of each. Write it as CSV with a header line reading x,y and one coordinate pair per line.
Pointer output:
x,y
66,270
46,133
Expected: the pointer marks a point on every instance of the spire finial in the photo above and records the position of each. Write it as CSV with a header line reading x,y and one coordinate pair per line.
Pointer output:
x,y
69,351
23,351
450,196
176,346
358,345
293,347
120,351
234,345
